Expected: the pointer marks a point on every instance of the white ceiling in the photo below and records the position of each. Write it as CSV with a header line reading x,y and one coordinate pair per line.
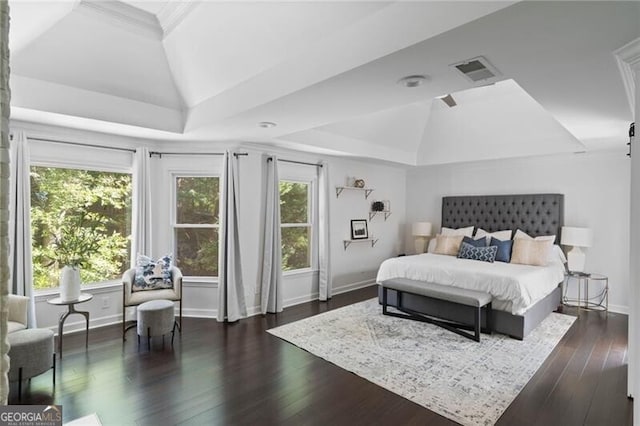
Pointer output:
x,y
326,72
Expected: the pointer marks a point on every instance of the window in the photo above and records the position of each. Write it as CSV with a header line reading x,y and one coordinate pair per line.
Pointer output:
x,y
196,225
79,217
296,224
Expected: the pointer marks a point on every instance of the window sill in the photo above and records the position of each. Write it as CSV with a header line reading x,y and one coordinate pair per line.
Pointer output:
x,y
300,272
96,288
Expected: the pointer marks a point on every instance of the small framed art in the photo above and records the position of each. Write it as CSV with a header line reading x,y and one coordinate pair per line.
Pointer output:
x,y
359,230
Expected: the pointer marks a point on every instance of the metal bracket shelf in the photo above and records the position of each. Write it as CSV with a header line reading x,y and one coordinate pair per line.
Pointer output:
x,y
367,191
373,214
347,243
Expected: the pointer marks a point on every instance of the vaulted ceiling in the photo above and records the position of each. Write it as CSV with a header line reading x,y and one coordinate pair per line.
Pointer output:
x,y
326,73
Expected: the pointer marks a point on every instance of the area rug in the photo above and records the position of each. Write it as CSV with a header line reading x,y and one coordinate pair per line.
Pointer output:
x,y
468,382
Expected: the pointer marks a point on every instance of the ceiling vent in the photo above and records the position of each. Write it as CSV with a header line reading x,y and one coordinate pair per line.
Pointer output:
x,y
477,70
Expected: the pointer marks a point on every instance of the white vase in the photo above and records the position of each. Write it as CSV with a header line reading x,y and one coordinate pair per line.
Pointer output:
x,y
70,283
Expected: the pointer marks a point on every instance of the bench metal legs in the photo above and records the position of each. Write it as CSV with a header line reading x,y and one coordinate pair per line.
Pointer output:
x,y
453,326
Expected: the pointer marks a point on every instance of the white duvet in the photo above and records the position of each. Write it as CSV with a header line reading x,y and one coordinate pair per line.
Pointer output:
x,y
514,287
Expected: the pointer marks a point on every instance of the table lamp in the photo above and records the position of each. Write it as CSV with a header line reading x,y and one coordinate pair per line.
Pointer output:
x,y
576,237
421,230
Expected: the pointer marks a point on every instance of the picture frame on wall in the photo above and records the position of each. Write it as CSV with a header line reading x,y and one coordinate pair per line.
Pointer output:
x,y
359,229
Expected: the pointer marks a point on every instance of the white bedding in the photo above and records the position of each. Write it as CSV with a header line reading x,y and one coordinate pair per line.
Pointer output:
x,y
514,287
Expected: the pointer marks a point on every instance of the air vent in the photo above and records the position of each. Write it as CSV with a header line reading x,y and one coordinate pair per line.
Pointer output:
x,y
477,70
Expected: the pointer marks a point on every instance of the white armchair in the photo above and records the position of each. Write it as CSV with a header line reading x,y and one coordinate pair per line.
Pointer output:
x,y
17,312
135,298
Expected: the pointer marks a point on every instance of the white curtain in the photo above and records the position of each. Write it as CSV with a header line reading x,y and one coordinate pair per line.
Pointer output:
x,y
324,252
141,209
231,301
4,199
271,299
20,259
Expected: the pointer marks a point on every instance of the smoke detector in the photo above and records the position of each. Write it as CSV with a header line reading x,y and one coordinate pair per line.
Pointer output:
x,y
477,69
413,80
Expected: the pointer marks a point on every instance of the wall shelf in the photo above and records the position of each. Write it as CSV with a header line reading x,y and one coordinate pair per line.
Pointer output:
x,y
367,191
373,214
347,243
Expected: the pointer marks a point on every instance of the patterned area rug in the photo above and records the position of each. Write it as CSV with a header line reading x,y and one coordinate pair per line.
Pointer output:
x,y
468,382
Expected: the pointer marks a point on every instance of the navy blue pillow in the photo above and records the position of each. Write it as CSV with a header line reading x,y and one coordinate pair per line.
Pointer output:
x,y
485,254
481,242
504,249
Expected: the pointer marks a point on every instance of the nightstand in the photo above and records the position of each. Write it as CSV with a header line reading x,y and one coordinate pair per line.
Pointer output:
x,y
597,302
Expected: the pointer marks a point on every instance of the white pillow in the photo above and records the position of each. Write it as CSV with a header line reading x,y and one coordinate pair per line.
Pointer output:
x,y
448,232
521,234
432,245
498,235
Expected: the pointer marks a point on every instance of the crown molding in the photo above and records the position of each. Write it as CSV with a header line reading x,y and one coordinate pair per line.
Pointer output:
x,y
173,13
628,59
124,16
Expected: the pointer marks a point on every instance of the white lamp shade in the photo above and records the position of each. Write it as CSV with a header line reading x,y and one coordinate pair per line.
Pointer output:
x,y
421,229
577,237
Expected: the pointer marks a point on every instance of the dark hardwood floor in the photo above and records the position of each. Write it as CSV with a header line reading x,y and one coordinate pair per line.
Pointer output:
x,y
238,374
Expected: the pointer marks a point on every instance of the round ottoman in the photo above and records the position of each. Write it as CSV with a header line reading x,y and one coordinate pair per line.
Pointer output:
x,y
156,318
30,353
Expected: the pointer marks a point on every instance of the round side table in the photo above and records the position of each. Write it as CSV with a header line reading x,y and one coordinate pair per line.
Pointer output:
x,y
599,302
84,297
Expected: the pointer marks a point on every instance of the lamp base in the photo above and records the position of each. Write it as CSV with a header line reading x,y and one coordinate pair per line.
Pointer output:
x,y
420,244
576,260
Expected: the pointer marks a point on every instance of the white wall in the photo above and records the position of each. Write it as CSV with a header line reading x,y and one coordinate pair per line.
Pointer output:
x,y
352,268
596,189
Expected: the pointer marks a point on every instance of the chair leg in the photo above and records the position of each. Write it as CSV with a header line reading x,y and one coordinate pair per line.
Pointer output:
x,y
149,337
173,332
20,384
54,370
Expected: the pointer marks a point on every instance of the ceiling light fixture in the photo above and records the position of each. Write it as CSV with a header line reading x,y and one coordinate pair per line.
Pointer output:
x,y
267,124
413,80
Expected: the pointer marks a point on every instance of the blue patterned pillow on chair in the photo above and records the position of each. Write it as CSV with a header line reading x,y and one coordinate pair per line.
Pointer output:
x,y
152,274
484,254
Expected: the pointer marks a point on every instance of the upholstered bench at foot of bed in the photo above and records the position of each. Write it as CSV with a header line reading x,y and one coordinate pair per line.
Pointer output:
x,y
475,300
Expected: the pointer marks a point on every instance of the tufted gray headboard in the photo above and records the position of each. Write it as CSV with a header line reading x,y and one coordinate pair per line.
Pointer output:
x,y
535,214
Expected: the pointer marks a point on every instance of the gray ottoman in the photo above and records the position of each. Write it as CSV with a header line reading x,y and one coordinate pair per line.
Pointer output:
x,y
156,318
31,353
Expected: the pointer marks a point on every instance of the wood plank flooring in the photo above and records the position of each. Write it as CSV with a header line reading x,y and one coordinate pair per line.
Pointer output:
x,y
237,374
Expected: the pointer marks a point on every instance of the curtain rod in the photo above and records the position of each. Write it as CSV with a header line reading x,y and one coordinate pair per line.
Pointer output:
x,y
160,154
79,144
296,162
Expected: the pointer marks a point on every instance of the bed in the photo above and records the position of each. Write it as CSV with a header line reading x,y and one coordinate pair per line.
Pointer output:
x,y
524,295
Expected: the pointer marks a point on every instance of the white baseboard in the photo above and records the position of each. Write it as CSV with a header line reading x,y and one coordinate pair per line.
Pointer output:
x,y
619,309
199,313
354,286
79,325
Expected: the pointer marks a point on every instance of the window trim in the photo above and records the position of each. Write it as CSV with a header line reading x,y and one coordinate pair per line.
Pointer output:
x,y
89,167
173,217
312,222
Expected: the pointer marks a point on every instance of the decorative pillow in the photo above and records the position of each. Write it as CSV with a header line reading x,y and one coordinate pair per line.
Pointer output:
x,y
531,252
468,231
432,245
480,242
448,245
152,274
484,254
503,253
500,235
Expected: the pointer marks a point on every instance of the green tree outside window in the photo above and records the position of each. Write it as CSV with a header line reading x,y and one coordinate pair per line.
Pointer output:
x,y
79,217
295,225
